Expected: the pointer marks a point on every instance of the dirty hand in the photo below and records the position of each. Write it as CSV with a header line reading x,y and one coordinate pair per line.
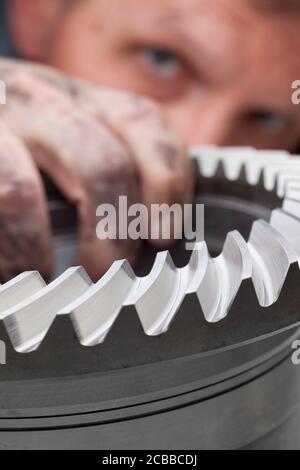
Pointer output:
x,y
95,145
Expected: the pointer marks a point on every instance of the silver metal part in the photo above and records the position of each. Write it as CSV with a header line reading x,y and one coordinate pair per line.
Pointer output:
x,y
28,307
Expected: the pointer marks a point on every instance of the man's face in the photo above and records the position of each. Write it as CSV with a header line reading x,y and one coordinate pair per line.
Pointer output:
x,y
222,70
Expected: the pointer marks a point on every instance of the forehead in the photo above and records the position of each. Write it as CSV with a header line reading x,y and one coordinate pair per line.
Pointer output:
x,y
230,22
228,36
230,10
238,20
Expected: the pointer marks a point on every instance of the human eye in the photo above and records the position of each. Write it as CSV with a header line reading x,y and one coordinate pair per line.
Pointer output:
x,y
161,62
269,121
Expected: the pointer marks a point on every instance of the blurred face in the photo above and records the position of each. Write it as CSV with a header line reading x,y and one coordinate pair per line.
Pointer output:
x,y
222,70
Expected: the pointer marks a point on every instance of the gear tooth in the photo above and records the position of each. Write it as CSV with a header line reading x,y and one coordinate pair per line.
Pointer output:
x,y
235,161
270,176
170,286
207,159
197,267
209,291
292,189
95,311
270,255
245,254
254,172
288,225
222,162
18,289
292,207
278,188
289,183
286,179
233,171
224,276
156,295
257,163
283,179
276,175
27,323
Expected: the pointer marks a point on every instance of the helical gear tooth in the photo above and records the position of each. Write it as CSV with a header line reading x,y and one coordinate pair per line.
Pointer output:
x,y
284,179
292,189
292,207
229,266
94,313
19,289
28,322
197,267
187,279
245,254
289,227
270,255
157,294
286,183
271,179
223,277
293,193
209,290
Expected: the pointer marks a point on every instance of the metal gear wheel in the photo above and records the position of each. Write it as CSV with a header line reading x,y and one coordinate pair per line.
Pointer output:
x,y
152,356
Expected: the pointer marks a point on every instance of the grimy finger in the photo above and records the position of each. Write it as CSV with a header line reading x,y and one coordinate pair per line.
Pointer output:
x,y
24,225
163,166
83,158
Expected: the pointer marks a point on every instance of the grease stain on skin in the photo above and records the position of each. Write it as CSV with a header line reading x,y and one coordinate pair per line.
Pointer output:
x,y
19,247
169,153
